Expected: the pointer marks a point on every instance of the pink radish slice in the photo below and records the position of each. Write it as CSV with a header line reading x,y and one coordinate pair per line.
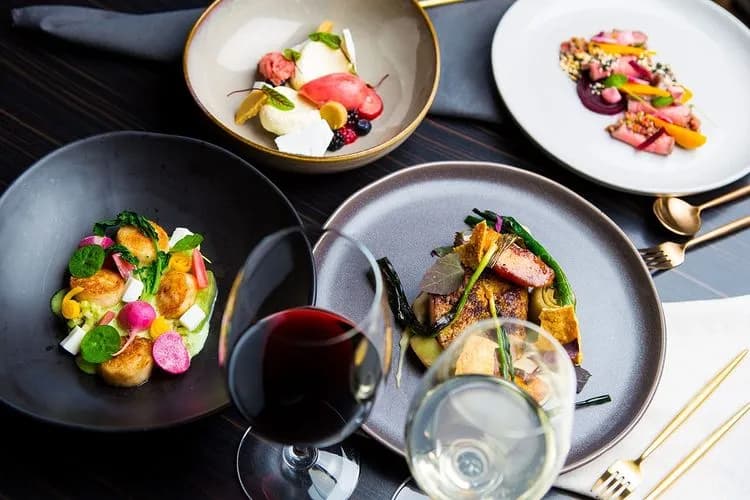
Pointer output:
x,y
107,318
136,316
170,353
102,241
124,267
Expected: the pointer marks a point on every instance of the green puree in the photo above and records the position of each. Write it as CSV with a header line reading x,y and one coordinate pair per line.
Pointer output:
x,y
194,340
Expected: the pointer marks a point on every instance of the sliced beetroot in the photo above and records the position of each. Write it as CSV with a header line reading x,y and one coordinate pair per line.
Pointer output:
x,y
170,353
594,102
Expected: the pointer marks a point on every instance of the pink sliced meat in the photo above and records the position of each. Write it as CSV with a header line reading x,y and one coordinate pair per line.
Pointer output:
x,y
662,146
596,72
628,37
679,114
623,66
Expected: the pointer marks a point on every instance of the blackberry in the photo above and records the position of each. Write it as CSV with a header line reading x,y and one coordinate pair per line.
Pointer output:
x,y
337,142
362,127
351,118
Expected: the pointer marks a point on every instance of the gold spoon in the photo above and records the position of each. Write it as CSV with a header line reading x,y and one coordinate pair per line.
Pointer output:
x,y
681,217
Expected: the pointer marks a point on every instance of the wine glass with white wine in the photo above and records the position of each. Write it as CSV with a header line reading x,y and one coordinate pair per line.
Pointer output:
x,y
493,416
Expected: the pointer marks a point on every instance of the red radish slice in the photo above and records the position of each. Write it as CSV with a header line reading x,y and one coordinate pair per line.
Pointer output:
x,y
124,267
107,318
199,269
170,353
102,241
372,106
642,72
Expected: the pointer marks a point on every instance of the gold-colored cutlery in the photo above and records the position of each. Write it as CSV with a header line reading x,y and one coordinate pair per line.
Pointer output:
x,y
669,254
624,476
684,219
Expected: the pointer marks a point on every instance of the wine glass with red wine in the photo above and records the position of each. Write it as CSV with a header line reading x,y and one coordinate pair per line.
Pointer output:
x,y
304,372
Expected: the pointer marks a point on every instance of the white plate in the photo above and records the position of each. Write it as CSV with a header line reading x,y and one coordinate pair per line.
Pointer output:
x,y
707,48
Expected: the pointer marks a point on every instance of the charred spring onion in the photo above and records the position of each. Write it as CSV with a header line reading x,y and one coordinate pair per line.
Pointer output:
x,y
598,400
503,346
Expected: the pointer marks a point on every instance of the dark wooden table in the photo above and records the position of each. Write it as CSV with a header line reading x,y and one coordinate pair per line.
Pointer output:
x,y
52,93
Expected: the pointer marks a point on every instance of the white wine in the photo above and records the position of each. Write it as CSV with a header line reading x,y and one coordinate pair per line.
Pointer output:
x,y
479,437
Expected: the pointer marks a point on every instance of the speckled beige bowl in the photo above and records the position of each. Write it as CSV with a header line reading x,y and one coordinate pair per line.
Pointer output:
x,y
392,37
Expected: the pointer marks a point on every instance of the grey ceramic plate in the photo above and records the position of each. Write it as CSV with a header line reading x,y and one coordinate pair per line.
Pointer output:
x,y
405,215
177,182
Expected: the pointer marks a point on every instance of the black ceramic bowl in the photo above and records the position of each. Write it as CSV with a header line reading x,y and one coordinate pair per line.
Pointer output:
x,y
173,180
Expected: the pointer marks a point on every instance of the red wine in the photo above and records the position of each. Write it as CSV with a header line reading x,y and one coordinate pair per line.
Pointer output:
x,y
304,376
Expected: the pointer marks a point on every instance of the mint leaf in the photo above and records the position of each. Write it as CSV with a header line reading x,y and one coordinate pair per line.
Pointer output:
x,y
662,101
615,80
331,40
291,55
187,243
277,99
444,276
86,261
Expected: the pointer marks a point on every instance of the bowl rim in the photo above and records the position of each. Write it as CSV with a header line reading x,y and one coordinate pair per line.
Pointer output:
x,y
374,150
41,163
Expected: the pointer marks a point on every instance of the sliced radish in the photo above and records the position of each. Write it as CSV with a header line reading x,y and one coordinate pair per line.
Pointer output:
x,y
102,241
107,318
170,353
199,269
372,106
124,267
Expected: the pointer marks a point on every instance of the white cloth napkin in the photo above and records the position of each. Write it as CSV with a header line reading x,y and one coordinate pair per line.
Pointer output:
x,y
702,337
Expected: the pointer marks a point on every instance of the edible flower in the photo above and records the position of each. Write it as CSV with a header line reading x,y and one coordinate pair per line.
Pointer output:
x,y
70,308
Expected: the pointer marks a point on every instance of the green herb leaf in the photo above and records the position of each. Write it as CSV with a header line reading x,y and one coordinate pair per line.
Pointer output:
x,y
127,218
661,101
187,243
615,80
333,41
277,99
291,55
100,344
86,261
444,276
151,275
124,254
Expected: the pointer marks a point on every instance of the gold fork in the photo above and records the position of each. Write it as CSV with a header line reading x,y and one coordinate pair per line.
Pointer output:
x,y
670,254
624,476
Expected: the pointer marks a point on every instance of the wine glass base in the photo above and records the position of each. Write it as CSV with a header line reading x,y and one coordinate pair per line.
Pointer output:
x,y
264,472
408,490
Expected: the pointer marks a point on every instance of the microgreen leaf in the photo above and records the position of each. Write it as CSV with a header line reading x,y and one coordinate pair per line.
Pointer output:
x,y
333,41
151,275
291,55
277,99
100,344
444,276
661,101
187,243
615,80
86,261
127,218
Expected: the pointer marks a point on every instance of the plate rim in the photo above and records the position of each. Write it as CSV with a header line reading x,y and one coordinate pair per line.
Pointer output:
x,y
705,187
38,164
351,200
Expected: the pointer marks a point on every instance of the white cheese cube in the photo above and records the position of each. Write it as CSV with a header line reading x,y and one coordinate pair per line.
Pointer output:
x,y
178,234
191,318
310,140
347,45
72,343
133,289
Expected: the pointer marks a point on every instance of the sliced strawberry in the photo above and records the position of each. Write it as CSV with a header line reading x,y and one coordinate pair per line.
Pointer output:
x,y
348,89
372,106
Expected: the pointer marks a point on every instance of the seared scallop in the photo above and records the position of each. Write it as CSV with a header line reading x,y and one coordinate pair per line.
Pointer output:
x,y
140,245
104,288
177,292
130,368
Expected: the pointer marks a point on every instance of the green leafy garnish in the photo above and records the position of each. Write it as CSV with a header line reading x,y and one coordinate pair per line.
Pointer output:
x,y
503,345
661,101
615,80
444,276
100,344
86,261
151,275
291,55
331,40
277,99
124,254
127,218
598,400
187,243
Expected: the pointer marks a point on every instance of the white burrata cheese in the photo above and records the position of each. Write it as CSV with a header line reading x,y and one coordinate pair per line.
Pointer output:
x,y
281,122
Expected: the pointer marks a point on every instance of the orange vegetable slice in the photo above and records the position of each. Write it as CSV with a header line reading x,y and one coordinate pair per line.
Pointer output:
x,y
686,96
325,27
637,88
688,139
250,106
334,113
180,262
612,48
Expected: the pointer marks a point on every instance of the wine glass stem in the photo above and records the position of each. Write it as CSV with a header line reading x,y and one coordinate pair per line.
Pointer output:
x,y
300,458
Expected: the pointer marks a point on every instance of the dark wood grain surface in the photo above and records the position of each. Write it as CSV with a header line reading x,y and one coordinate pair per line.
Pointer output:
x,y
52,93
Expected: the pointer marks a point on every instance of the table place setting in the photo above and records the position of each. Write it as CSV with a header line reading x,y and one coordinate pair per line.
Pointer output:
x,y
403,249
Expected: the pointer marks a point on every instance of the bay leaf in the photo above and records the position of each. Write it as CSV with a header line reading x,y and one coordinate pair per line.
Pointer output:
x,y
445,276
